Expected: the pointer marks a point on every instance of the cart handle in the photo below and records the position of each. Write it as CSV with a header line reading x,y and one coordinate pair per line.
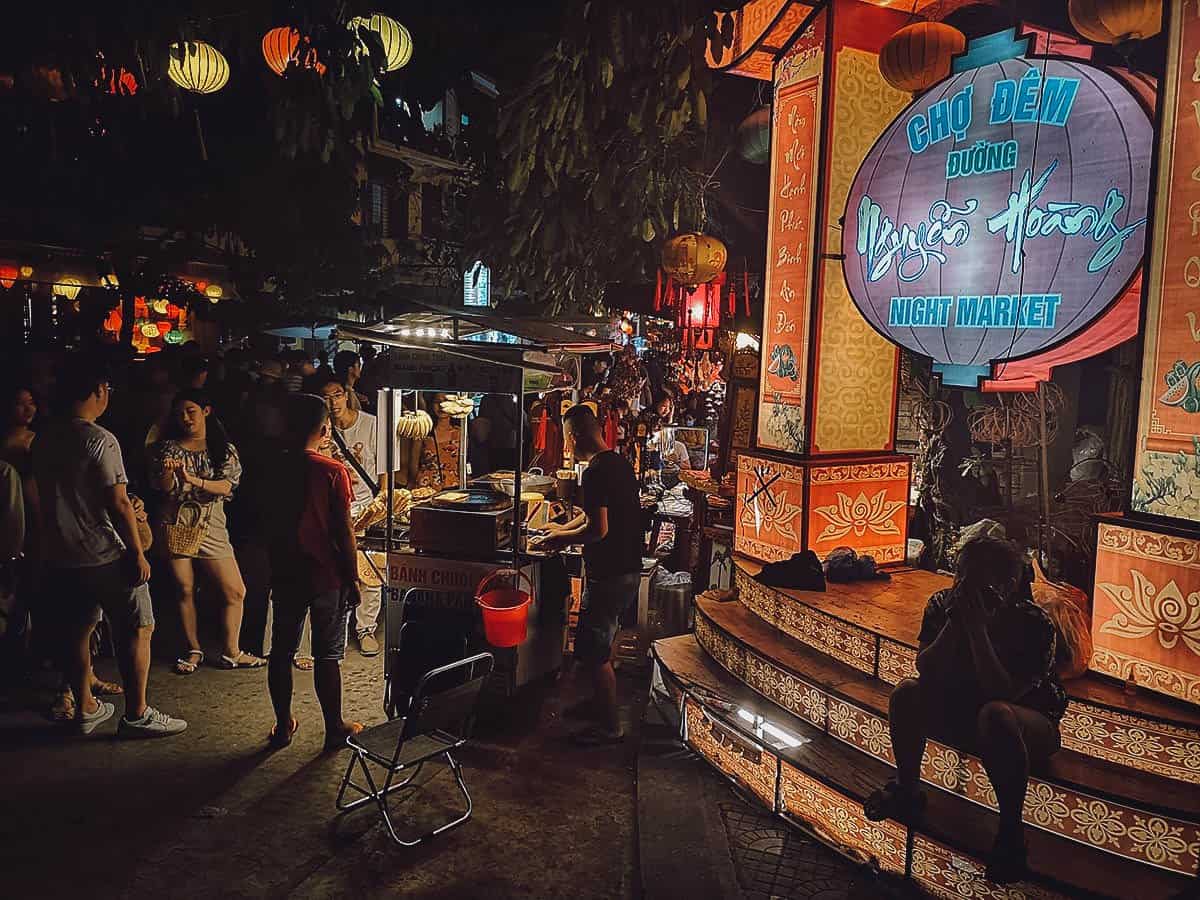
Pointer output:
x,y
493,575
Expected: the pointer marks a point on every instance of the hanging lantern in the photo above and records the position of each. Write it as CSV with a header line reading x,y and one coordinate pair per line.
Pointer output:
x,y
110,281
119,82
173,337
163,327
1116,21
150,330
68,287
280,48
198,67
694,258
754,137
919,55
161,307
397,42
140,308
173,311
8,276
213,292
112,322
26,271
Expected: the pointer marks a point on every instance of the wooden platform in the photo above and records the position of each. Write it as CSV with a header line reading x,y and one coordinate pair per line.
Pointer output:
x,y
810,777
873,626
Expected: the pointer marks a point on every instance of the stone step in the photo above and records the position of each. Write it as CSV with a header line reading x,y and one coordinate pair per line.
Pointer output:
x,y
1141,816
872,627
813,780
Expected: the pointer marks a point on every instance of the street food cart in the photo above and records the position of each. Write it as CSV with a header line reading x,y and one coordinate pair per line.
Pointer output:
x,y
441,548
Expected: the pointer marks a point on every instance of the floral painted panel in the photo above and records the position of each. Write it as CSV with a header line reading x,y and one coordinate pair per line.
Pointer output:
x,y
1146,613
770,509
864,506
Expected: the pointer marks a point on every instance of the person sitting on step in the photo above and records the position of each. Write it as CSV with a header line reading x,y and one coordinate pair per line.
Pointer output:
x,y
987,685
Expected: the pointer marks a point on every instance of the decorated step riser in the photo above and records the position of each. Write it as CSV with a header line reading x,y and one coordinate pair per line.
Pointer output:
x,y
1146,837
1138,742
836,818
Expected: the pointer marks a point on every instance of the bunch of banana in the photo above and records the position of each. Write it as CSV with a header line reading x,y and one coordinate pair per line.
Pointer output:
x,y
414,425
456,406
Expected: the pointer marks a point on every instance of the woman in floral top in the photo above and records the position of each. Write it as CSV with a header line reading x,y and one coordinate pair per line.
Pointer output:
x,y
987,685
439,451
195,462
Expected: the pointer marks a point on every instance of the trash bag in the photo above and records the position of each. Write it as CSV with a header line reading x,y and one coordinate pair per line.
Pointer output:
x,y
1067,607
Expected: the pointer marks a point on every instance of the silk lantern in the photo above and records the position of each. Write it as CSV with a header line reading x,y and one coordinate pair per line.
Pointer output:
x,y
8,276
68,287
754,137
1116,21
198,67
694,258
281,47
397,42
213,292
919,55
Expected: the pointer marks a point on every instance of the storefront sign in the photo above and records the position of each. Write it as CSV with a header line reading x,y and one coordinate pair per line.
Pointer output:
x,y
794,134
1166,477
1002,212
477,285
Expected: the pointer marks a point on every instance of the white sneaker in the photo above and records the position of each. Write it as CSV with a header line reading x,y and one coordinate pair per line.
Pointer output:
x,y
88,721
152,724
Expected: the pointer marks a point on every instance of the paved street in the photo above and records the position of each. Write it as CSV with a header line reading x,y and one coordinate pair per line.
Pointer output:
x,y
210,814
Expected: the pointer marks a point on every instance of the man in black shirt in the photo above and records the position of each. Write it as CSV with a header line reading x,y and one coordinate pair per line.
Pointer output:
x,y
610,529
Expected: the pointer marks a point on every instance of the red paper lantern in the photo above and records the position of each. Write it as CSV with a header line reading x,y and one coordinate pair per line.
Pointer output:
x,y
280,48
112,321
121,82
8,276
164,327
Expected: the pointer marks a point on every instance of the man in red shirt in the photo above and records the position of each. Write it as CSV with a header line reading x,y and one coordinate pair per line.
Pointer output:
x,y
314,570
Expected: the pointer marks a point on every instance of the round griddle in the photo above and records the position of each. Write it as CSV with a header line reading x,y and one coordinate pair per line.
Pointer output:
x,y
472,499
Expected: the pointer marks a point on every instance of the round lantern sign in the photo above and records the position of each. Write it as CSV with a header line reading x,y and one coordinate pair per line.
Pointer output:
x,y
1001,212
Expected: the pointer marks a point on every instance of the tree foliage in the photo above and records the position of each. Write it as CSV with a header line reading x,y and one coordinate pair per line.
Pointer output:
x,y
602,150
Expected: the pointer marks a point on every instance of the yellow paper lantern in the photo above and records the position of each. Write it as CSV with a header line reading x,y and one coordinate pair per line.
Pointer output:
x,y
26,271
1116,21
918,56
160,306
694,258
397,41
213,292
150,330
68,287
198,67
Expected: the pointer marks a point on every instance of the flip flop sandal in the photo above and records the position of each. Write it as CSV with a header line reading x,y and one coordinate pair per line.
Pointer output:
x,y
102,688
243,660
338,742
892,802
303,663
185,664
277,742
63,709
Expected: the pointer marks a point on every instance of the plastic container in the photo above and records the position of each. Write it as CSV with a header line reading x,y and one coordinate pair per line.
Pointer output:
x,y
505,610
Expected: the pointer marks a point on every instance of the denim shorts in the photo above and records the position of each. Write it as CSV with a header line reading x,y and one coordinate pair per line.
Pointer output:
x,y
330,618
604,601
81,595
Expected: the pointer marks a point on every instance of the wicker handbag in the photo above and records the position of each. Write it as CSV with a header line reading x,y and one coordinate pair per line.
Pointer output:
x,y
184,539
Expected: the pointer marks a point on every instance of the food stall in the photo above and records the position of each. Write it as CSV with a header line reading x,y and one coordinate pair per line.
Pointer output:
x,y
442,547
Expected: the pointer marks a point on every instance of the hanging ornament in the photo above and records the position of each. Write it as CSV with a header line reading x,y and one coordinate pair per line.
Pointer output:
x,y
163,327
150,330
68,287
160,306
694,258
8,276
112,322
1116,21
281,47
397,41
919,55
754,137
26,271
213,292
198,67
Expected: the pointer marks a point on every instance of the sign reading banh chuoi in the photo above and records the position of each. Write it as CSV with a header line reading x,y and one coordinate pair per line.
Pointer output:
x,y
1166,474
1002,211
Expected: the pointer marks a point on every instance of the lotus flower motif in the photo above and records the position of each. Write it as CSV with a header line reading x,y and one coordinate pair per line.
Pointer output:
x,y
1144,609
859,515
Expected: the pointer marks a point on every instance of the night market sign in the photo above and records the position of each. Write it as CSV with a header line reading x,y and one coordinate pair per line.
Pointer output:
x,y
1002,212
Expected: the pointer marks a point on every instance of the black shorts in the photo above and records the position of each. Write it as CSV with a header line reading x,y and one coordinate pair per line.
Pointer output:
x,y
604,601
78,596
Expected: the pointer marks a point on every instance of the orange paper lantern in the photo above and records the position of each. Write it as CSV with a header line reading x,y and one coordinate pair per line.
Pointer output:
x,y
919,55
280,48
122,83
694,258
1116,21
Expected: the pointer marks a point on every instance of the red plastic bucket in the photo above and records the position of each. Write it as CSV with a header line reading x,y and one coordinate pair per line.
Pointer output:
x,y
505,610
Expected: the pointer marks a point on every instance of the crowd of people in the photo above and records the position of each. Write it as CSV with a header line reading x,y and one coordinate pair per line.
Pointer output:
x,y
130,484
